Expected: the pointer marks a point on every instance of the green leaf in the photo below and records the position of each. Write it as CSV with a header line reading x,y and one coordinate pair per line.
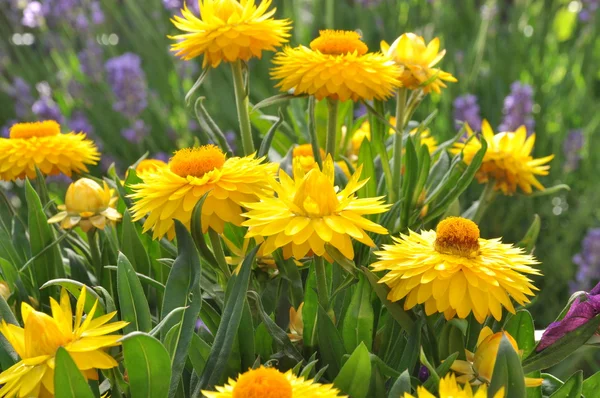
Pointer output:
x,y
508,372
196,85
562,348
265,145
550,384
410,355
409,182
245,337
209,126
591,385
351,379
68,379
132,301
331,345
310,310
182,290
530,238
132,246
357,327
451,340
366,159
433,381
564,24
199,352
572,388
520,327
148,366
198,236
8,355
401,386
275,100
74,288
229,325
395,309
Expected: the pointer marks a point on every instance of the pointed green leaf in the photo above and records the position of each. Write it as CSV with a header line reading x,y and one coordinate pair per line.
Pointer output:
x,y
132,301
68,379
351,379
520,327
572,387
591,385
331,345
357,327
148,366
508,372
401,386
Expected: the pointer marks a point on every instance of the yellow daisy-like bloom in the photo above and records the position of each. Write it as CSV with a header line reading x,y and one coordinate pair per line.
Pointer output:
x,y
304,155
37,343
149,166
296,324
479,366
308,212
449,388
336,66
508,161
172,192
364,132
88,205
271,383
229,30
418,60
452,270
42,145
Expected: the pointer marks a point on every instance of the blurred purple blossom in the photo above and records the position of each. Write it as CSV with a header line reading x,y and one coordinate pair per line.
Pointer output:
x,y
162,156
588,261
33,15
106,161
97,15
20,93
588,9
360,111
231,138
79,123
128,83
91,58
466,110
580,313
572,149
176,5
5,130
518,107
136,133
46,109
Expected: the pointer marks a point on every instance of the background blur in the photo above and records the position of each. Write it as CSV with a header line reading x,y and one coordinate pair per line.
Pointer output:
x,y
103,67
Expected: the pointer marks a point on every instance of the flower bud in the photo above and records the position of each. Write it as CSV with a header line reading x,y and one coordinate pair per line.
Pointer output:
x,y
85,195
486,353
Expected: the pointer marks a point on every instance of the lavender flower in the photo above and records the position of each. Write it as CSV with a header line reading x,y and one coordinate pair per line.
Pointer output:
x,y
90,59
231,137
466,110
20,93
176,5
518,106
588,9
581,312
588,260
161,156
136,133
128,83
80,123
97,15
33,15
572,150
5,130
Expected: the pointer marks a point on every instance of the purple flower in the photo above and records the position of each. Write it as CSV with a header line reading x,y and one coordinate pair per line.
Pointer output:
x,y
572,150
423,374
518,107
466,110
588,260
588,9
5,130
20,93
136,133
96,13
176,5
231,138
91,58
33,15
46,109
581,312
79,123
162,156
128,83
360,111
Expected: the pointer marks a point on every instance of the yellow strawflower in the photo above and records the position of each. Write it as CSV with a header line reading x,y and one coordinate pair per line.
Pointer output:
x,y
417,60
172,192
308,212
296,324
228,31
85,339
449,388
454,271
508,161
479,366
149,166
271,383
42,145
87,204
337,66
304,155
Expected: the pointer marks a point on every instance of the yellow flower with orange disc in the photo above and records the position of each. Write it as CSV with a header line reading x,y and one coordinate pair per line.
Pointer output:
x,y
449,388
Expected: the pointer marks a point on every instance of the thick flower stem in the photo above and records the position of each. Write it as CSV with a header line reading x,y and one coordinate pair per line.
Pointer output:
x,y
95,252
485,200
215,241
242,102
396,188
330,145
322,290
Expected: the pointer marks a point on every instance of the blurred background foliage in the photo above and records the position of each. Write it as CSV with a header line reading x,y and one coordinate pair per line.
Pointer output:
x,y
104,67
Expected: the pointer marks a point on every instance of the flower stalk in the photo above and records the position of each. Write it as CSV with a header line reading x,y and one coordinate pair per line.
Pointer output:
x,y
485,200
242,103
330,145
321,275
395,189
95,252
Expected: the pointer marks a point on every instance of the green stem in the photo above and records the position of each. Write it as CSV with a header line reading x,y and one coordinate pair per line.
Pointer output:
x,y
312,131
322,290
485,200
215,241
95,252
398,144
242,103
330,14
332,108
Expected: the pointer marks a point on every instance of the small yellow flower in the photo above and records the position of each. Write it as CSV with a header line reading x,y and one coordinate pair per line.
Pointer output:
x,y
304,155
172,192
229,30
88,205
479,366
309,212
418,60
449,388
271,383
336,66
4,290
296,324
42,145
149,166
86,340
508,161
452,270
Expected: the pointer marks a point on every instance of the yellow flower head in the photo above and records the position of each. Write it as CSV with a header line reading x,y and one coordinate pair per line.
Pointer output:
x,y
88,205
229,30
86,340
479,366
449,388
364,132
149,166
271,383
172,192
296,324
304,155
418,61
309,212
336,66
42,145
508,161
454,271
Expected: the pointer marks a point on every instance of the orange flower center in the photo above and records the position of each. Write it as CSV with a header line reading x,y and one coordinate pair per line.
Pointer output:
x,y
37,129
197,161
339,42
458,236
262,383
